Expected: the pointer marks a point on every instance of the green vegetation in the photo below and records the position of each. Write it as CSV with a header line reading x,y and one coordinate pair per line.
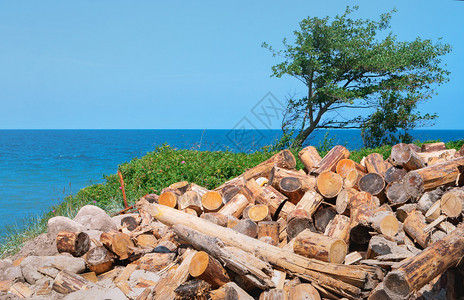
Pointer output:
x,y
153,172
356,75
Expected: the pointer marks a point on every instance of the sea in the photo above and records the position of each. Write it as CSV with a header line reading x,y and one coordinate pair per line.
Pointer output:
x,y
38,168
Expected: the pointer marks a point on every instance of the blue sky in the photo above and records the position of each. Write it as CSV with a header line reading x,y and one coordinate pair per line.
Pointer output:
x,y
179,64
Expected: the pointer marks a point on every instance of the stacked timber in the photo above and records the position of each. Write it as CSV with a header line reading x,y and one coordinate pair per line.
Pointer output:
x,y
383,228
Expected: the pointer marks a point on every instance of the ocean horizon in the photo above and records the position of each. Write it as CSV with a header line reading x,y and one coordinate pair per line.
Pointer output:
x,y
39,167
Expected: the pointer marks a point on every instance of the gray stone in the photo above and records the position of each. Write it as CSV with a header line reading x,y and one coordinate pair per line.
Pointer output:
x,y
12,273
57,224
93,217
94,234
31,264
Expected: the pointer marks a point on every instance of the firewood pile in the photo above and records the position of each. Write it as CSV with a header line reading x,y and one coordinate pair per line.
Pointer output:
x,y
379,229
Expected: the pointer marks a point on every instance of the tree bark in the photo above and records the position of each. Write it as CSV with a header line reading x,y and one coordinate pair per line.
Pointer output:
x,y
67,282
117,242
297,221
330,161
315,245
270,229
292,188
431,147
339,228
310,202
190,199
375,164
75,243
403,156
309,157
99,260
283,159
235,206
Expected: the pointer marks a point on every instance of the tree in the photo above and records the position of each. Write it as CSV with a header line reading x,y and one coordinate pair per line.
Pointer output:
x,y
356,79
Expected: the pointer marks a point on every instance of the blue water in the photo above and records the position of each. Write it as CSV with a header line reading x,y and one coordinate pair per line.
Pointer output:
x,y
38,168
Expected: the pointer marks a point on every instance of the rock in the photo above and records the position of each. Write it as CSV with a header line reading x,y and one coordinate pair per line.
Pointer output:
x,y
42,245
4,265
57,224
31,264
97,293
93,217
12,273
94,234
137,274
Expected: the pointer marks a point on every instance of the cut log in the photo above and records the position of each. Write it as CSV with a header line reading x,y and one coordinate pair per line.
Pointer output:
x,y
168,198
190,199
372,183
323,216
315,245
434,212
352,179
432,158
67,282
130,223
329,184
75,243
269,197
339,228
292,188
230,291
330,161
247,227
362,207
353,258
198,189
429,178
345,165
314,270
262,181
307,182
259,212
193,289
343,200
235,206
403,156
429,198
309,157
229,192
403,211
155,262
431,147
384,222
126,273
117,242
297,221
304,291
375,164
211,201
208,269
417,271
379,246
181,186
415,225
216,218
256,271
451,203
99,260
394,174
147,240
270,229
396,194
274,294
283,159
175,277
310,202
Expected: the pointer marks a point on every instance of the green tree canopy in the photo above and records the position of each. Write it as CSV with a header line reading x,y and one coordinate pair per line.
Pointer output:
x,y
357,76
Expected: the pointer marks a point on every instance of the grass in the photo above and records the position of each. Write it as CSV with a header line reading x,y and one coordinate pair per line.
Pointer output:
x,y
150,174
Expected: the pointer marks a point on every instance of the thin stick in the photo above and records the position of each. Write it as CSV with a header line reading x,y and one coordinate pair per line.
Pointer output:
x,y
123,189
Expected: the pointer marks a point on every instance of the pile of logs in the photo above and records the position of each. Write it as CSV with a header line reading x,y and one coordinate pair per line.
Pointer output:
x,y
378,229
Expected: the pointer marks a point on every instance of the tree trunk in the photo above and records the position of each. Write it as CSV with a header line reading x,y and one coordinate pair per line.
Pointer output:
x,y
352,179
75,243
193,289
330,161
414,225
372,183
315,245
384,222
168,198
396,194
431,147
297,221
343,200
292,188
344,166
181,186
307,182
310,202
415,272
198,189
216,218
259,212
323,217
270,229
451,203
403,156
304,291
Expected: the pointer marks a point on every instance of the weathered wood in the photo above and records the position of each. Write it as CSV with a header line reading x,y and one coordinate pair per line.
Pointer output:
x,y
230,291
403,211
270,229
352,179
309,157
231,188
154,262
396,194
329,184
431,147
99,260
117,242
429,198
311,269
235,206
21,290
193,289
415,272
331,159
303,291
75,243
297,221
384,222
67,282
429,178
375,164
292,188
414,225
352,258
198,189
130,223
211,201
126,273
283,159
343,200
147,240
181,186
310,202
451,203
403,156
323,216
433,158
207,268
216,218
247,227
362,207
372,183
394,174
339,228
274,294
256,271
315,245
190,199
175,277
259,212
307,182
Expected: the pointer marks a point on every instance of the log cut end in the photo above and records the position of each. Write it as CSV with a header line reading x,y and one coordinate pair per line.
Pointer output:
x,y
211,201
396,284
329,184
337,252
168,199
